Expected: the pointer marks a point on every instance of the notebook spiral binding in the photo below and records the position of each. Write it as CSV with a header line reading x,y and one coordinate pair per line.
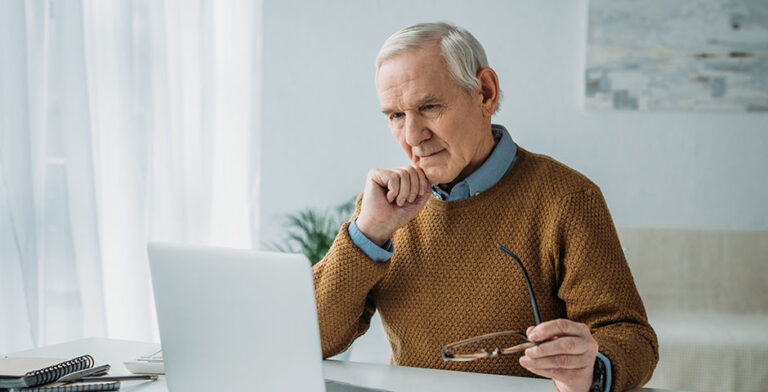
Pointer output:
x,y
55,372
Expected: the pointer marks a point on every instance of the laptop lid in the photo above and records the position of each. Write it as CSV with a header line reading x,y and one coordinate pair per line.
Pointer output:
x,y
236,319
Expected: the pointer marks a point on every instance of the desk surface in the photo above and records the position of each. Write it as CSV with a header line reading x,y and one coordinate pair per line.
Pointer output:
x,y
394,378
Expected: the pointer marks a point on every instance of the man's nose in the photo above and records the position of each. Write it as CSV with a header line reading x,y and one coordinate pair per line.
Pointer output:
x,y
416,130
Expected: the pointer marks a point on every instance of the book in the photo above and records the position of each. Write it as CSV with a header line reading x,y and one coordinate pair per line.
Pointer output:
x,y
71,387
20,372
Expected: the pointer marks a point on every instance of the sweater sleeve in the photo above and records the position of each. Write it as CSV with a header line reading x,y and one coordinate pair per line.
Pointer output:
x,y
598,290
343,280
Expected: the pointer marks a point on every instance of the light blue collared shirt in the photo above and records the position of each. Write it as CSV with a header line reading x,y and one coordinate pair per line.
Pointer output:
x,y
494,168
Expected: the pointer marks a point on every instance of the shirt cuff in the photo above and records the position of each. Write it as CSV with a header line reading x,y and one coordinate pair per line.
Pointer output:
x,y
376,253
608,371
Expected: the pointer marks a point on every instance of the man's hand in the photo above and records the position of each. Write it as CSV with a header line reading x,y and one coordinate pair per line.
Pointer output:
x,y
391,199
567,355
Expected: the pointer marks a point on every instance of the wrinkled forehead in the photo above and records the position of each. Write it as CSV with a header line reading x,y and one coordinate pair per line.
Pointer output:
x,y
409,76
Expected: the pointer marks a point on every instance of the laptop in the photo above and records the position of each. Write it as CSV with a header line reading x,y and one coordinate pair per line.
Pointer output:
x,y
237,320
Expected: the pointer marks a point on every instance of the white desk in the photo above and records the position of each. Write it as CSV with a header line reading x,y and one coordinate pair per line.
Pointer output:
x,y
394,378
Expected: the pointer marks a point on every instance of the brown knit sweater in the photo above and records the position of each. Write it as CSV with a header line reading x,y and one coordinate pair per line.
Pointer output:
x,y
447,281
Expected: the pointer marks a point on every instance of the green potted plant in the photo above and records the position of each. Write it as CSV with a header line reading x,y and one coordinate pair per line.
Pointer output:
x,y
312,231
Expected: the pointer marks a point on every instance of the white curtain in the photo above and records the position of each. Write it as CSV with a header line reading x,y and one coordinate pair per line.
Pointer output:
x,y
122,122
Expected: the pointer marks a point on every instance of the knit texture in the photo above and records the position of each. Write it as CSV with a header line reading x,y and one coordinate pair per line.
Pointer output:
x,y
447,281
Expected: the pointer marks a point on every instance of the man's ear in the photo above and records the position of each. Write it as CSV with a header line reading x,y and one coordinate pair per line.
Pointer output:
x,y
489,90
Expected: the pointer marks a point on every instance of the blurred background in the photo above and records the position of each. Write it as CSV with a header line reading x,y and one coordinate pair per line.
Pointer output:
x,y
210,121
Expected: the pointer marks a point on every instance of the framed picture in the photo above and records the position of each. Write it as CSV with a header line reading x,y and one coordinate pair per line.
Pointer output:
x,y
692,55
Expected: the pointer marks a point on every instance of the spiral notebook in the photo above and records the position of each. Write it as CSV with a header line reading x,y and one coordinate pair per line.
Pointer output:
x,y
73,387
38,374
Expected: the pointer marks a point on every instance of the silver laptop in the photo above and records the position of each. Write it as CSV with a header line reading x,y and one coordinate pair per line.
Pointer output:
x,y
237,320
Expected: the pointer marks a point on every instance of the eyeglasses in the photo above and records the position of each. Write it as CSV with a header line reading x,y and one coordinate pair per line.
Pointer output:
x,y
449,355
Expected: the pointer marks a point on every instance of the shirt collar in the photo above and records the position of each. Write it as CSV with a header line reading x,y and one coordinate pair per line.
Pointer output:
x,y
489,173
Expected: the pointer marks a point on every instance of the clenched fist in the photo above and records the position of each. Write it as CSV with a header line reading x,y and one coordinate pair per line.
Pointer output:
x,y
391,199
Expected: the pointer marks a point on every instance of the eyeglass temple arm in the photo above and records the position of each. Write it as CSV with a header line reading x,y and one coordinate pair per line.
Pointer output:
x,y
536,314
482,337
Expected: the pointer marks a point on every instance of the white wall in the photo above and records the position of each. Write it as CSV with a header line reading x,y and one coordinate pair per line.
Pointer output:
x,y
322,129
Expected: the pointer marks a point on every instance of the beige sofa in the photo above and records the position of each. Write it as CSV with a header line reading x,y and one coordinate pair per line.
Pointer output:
x,y
707,298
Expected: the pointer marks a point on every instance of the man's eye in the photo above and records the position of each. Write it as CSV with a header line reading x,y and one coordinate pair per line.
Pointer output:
x,y
396,115
428,106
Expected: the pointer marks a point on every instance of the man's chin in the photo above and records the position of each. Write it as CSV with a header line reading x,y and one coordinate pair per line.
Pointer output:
x,y
438,177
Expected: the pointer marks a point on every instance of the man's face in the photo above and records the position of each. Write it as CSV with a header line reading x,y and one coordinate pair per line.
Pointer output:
x,y
440,126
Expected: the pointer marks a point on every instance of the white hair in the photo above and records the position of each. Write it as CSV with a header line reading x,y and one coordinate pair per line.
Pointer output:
x,y
462,52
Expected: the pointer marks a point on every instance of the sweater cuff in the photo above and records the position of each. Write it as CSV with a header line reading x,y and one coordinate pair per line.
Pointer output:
x,y
608,371
373,251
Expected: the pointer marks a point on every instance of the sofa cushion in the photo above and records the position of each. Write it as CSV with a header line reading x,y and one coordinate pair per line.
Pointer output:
x,y
711,352
682,270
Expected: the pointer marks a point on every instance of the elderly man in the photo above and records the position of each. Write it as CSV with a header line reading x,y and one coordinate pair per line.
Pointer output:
x,y
422,247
